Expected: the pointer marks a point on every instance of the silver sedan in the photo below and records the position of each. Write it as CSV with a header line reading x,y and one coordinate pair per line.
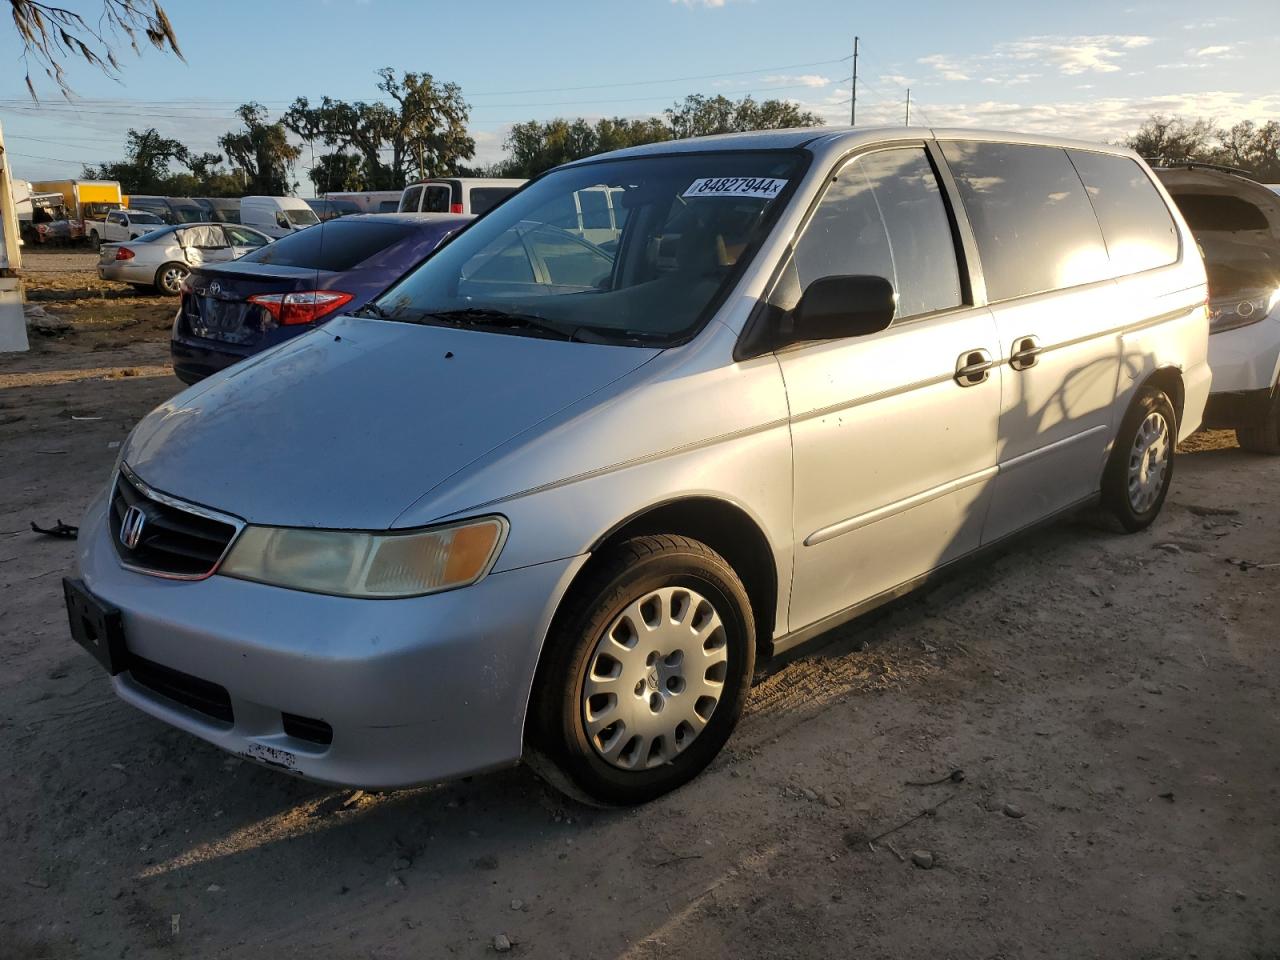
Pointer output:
x,y
163,258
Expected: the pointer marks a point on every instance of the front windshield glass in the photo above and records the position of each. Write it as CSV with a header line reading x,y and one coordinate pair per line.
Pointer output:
x,y
144,218
301,218
628,251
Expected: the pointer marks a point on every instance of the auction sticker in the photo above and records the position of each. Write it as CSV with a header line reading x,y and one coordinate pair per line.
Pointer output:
x,y
766,188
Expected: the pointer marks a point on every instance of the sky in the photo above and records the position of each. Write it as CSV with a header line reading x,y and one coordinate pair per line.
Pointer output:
x,y
1091,70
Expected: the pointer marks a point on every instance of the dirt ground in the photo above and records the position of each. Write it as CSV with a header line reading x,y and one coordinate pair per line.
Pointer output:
x,y
1111,701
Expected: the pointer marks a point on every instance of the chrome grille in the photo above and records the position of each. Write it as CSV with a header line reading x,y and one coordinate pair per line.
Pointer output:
x,y
154,533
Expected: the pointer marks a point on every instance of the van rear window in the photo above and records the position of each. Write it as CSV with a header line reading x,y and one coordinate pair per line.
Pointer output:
x,y
484,199
334,246
1214,211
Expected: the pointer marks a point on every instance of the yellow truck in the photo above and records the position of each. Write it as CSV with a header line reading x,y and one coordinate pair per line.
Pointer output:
x,y
86,199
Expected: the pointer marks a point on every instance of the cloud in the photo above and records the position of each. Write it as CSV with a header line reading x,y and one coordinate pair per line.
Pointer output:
x,y
1214,51
1075,55
797,80
947,67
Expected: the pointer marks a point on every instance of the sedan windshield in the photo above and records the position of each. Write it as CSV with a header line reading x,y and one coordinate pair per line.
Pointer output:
x,y
635,251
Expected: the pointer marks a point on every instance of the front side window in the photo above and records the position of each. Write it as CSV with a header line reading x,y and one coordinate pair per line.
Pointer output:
x,y
1035,228
693,223
1136,224
883,215
303,217
240,237
117,218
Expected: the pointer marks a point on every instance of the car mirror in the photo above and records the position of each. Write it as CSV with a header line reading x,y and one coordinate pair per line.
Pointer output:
x,y
843,306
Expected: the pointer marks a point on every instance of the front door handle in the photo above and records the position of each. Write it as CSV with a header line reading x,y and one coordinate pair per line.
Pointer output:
x,y
1026,351
973,367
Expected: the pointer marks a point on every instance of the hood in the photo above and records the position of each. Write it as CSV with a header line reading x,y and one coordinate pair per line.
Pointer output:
x,y
346,426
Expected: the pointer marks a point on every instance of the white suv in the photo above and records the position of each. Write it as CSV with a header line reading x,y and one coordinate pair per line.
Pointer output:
x,y
1236,222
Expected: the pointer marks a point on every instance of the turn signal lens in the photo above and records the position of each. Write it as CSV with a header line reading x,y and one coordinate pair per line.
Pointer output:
x,y
305,306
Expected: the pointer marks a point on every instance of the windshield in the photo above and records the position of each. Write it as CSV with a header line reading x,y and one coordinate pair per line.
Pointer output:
x,y
683,227
143,218
302,218
187,212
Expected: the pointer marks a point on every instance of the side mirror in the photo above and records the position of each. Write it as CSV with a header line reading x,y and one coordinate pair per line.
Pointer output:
x,y
844,306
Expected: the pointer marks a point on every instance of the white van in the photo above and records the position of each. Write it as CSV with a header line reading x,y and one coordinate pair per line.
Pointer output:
x,y
474,195
277,216
819,368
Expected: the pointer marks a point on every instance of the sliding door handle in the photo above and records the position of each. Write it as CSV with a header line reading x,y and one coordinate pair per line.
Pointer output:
x,y
973,367
1026,351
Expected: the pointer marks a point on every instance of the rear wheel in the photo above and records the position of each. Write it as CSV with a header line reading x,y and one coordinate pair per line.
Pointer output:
x,y
95,241
1263,436
1138,474
645,673
169,278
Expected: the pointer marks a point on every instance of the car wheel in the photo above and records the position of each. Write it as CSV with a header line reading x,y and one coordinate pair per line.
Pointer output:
x,y
169,278
645,672
1140,468
1263,436
95,241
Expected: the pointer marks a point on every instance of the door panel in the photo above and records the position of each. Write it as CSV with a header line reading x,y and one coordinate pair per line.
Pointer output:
x,y
894,460
893,456
1057,415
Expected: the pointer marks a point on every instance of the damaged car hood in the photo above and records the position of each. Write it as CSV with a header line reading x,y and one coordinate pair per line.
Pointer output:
x,y
346,426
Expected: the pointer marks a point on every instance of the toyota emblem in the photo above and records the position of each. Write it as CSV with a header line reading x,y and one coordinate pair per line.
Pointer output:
x,y
131,527
215,288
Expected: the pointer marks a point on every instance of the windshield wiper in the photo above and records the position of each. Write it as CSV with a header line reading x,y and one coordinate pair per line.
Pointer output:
x,y
490,317
371,309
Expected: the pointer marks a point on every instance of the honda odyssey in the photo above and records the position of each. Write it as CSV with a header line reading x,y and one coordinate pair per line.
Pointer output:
x,y
553,496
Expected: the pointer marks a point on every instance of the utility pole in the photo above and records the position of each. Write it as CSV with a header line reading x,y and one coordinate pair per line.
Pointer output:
x,y
853,104
908,106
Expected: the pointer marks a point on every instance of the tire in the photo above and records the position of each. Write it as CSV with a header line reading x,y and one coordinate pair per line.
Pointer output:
x,y
1264,435
1145,441
170,276
660,596
95,241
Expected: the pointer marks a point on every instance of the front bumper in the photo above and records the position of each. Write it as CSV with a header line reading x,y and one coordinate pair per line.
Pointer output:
x,y
415,690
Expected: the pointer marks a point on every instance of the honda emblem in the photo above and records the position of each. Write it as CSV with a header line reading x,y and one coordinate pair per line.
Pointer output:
x,y
131,527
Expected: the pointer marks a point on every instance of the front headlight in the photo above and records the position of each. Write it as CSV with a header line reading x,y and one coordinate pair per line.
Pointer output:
x,y
377,565
1230,313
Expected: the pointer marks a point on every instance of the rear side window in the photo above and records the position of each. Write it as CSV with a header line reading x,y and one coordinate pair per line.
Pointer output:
x,y
884,215
1219,211
336,245
1032,219
484,199
438,198
1136,225
410,200
595,210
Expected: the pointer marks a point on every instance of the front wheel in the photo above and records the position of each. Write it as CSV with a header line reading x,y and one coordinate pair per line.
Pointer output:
x,y
169,278
645,673
1138,474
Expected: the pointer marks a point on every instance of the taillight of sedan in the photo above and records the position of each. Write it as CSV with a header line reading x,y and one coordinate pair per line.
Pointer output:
x,y
124,253
301,307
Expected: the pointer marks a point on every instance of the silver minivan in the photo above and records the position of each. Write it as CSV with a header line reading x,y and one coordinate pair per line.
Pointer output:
x,y
553,496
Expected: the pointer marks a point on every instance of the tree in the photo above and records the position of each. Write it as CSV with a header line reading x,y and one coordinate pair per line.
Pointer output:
x,y
337,172
428,133
535,147
1254,148
262,150
147,168
699,116
50,34
1175,138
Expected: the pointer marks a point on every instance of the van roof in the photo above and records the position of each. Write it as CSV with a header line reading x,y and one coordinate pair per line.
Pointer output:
x,y
294,202
837,139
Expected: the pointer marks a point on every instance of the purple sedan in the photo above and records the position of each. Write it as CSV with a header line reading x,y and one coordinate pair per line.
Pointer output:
x,y
230,311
